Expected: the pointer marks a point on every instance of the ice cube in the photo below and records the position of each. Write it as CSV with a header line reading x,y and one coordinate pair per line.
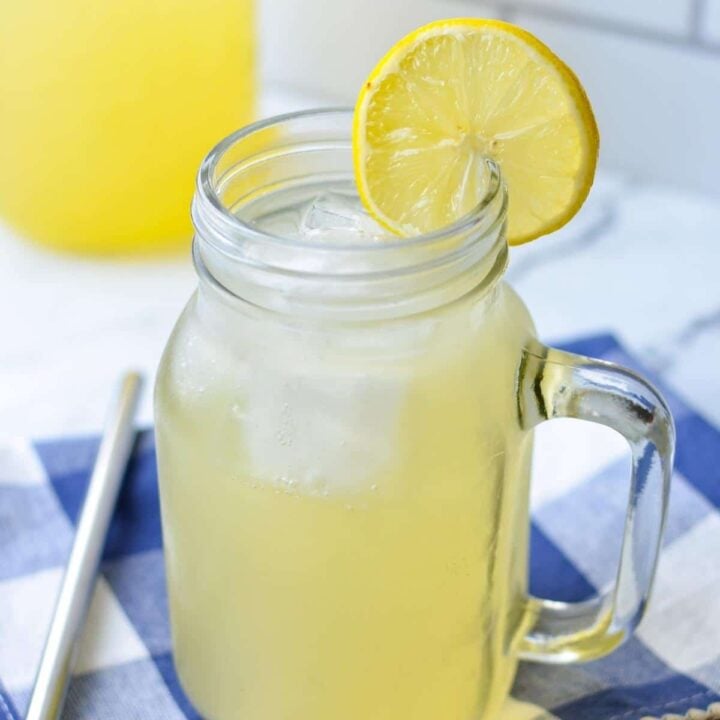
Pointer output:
x,y
326,426
336,217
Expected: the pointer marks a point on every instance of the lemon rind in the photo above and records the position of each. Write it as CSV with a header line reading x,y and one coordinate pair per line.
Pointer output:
x,y
391,60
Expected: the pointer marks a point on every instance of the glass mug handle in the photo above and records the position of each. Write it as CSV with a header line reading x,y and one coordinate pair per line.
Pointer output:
x,y
555,384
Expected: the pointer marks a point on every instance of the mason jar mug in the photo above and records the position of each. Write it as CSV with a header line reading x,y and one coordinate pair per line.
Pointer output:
x,y
344,431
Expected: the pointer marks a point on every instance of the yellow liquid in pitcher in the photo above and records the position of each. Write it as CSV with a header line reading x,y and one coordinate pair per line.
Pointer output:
x,y
107,111
345,517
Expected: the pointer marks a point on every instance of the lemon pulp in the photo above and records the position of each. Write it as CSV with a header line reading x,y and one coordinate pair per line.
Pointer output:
x,y
454,94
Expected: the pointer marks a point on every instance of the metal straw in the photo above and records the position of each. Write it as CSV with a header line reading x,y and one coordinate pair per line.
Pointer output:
x,y
73,601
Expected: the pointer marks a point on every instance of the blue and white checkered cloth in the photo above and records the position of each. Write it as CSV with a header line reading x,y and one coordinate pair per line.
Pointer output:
x,y
125,669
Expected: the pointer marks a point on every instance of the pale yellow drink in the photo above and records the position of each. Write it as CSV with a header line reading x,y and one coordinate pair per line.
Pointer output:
x,y
107,108
345,510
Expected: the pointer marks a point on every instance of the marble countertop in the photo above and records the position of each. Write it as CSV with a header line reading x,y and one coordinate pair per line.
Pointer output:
x,y
641,261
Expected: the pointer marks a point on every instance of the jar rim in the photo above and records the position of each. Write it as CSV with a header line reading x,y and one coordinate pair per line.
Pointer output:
x,y
209,211
294,153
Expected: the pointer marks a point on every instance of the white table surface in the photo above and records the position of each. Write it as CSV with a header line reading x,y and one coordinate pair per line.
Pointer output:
x,y
641,261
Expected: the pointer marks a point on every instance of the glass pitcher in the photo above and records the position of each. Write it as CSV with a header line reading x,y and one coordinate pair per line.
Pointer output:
x,y
108,108
344,435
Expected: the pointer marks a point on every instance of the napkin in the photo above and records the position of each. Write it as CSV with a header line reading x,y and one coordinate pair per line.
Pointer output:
x,y
125,667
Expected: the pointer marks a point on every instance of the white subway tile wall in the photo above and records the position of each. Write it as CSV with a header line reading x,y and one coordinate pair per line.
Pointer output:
x,y
327,47
657,104
668,16
710,21
651,67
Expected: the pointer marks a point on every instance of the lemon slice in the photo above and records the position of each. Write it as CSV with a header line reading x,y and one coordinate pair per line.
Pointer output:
x,y
451,95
